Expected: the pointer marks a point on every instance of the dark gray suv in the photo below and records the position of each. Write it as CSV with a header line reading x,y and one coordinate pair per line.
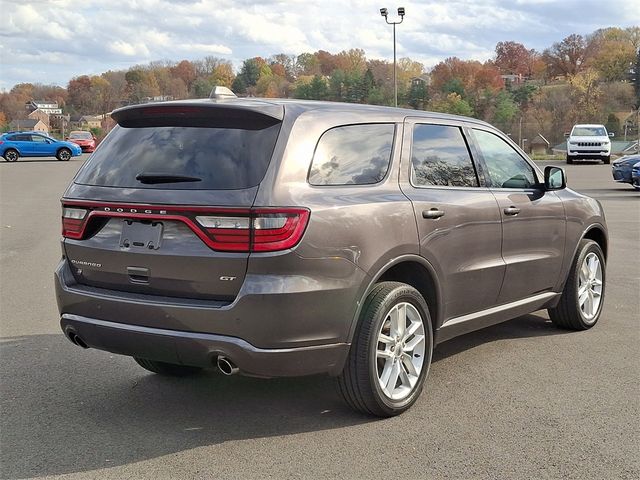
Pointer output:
x,y
285,238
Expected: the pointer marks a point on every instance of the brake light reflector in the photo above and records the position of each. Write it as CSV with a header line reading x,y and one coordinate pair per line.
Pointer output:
x,y
73,222
278,229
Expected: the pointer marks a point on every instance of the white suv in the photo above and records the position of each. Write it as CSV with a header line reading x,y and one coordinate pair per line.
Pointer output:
x,y
588,142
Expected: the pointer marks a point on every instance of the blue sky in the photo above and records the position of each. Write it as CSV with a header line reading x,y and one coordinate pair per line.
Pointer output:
x,y
51,41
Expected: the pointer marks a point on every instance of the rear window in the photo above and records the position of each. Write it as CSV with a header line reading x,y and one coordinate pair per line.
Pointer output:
x,y
222,158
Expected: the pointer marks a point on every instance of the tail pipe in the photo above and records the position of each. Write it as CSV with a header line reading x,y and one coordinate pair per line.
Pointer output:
x,y
226,366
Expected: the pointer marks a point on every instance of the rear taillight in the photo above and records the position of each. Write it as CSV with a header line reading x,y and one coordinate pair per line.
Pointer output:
x,y
226,230
263,230
73,221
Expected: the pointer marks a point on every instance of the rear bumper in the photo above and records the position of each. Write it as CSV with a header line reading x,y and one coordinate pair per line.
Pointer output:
x,y
202,350
277,326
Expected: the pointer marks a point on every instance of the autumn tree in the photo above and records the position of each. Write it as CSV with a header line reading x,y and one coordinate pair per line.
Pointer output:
x,y
567,57
514,58
185,71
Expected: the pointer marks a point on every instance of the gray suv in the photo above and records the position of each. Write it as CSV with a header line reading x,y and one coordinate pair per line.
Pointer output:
x,y
285,238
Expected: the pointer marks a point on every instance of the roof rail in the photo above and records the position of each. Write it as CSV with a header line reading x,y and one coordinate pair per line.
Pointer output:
x,y
220,93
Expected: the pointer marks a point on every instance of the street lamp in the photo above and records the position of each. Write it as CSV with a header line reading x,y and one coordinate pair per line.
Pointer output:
x,y
384,12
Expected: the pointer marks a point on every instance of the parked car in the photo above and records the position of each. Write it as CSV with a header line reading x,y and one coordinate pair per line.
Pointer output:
x,y
588,142
635,176
284,238
14,145
86,140
621,168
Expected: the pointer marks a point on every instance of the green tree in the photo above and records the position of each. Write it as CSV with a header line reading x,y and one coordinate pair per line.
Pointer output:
x,y
452,103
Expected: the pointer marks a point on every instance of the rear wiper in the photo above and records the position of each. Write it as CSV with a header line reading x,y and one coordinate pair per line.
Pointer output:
x,y
150,178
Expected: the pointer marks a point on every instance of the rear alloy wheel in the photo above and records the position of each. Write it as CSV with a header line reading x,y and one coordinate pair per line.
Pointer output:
x,y
167,369
11,155
391,353
583,295
64,154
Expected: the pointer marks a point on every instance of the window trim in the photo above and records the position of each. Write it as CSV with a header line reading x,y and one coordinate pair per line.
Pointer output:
x,y
461,127
352,185
515,148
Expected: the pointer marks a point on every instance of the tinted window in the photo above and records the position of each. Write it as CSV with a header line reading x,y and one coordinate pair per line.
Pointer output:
x,y
439,156
352,155
38,138
20,138
506,168
223,158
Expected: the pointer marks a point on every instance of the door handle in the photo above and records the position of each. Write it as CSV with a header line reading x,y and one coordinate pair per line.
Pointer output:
x,y
511,210
432,213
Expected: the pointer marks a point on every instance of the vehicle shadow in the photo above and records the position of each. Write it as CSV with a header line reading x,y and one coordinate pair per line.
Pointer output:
x,y
67,410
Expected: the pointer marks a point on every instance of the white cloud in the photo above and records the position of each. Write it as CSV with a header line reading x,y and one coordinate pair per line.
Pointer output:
x,y
56,39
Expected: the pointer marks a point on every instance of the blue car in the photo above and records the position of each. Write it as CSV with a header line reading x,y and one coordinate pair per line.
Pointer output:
x,y
621,168
635,176
14,145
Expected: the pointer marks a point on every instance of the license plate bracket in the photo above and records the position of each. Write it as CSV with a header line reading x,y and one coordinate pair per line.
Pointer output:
x,y
141,235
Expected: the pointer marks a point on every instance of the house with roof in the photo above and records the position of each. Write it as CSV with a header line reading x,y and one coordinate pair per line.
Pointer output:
x,y
424,80
40,115
28,125
48,106
90,121
539,145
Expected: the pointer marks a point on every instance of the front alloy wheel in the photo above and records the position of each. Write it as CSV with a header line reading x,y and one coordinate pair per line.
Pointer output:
x,y
582,298
590,287
64,154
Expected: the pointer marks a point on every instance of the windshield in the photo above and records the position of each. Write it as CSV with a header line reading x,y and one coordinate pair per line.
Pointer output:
x,y
81,135
589,132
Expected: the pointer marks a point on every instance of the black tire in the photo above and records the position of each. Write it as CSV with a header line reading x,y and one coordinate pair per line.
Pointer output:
x,y
358,383
568,314
168,369
64,154
569,160
606,160
11,155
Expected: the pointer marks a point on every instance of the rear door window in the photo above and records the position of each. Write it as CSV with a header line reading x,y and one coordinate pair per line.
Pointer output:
x,y
353,155
221,157
440,157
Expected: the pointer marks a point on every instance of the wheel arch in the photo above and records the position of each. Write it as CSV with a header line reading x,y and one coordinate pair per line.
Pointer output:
x,y
597,233
412,270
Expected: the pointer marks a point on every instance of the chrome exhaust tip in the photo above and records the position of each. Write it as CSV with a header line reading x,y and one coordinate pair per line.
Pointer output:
x,y
226,366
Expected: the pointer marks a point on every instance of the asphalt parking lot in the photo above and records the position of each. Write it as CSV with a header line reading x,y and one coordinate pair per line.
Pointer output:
x,y
517,400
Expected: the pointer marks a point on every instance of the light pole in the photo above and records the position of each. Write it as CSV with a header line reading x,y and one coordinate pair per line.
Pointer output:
x,y
384,12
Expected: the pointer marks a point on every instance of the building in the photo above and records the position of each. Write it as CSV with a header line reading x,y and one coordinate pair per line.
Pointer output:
x,y
40,115
90,121
424,80
513,79
28,125
47,106
539,145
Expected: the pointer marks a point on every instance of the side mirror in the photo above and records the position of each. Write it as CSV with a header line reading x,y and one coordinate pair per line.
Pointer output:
x,y
611,134
554,178
566,134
